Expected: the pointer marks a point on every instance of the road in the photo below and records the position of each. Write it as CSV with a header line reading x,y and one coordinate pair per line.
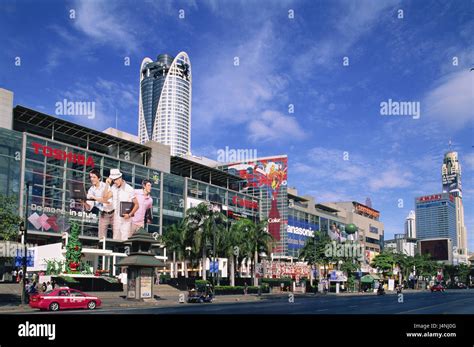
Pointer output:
x,y
450,302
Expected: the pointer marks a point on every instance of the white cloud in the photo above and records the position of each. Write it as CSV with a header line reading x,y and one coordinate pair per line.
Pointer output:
x,y
353,21
467,160
104,23
391,178
451,101
109,97
272,125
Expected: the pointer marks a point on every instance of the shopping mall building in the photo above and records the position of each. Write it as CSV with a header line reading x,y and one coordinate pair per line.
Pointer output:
x,y
40,155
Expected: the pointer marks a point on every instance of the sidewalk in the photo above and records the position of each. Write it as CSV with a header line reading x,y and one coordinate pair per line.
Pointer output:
x,y
117,299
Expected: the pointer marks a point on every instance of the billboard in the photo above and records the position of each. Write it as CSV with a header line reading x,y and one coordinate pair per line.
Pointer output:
x,y
439,249
267,175
365,210
298,232
452,183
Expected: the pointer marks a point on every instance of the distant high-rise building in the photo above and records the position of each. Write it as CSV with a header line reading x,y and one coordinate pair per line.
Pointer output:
x,y
165,102
436,217
410,225
451,179
451,174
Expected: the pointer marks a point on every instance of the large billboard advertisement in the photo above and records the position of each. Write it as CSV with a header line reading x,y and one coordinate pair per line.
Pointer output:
x,y
438,249
452,184
298,232
268,175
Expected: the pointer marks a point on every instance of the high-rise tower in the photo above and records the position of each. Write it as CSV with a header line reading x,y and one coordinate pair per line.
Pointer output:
x,y
165,102
410,226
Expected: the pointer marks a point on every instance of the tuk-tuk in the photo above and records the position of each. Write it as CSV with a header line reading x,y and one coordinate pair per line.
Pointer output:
x,y
202,294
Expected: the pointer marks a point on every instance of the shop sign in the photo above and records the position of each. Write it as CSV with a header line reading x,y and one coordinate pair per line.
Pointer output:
x,y
244,202
59,154
433,197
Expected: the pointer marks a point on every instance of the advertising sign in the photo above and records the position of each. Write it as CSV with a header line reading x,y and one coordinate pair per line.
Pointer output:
x,y
437,249
146,276
427,198
298,232
451,183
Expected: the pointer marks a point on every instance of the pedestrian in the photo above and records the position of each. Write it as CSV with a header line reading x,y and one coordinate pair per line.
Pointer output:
x,y
44,287
49,287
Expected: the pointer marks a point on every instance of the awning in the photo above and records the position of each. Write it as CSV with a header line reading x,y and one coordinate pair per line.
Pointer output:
x,y
367,279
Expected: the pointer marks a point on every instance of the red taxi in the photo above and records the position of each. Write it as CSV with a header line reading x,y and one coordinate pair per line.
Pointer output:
x,y
63,298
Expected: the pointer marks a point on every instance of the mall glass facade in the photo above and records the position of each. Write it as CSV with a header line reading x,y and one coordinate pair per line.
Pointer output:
x,y
301,225
50,167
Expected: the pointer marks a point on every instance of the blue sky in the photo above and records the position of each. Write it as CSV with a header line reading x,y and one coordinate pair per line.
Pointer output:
x,y
282,61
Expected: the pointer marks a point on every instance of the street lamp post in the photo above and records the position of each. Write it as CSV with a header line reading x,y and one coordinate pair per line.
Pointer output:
x,y
25,249
214,253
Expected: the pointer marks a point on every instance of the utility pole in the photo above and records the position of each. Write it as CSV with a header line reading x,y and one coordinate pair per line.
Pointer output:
x,y
24,232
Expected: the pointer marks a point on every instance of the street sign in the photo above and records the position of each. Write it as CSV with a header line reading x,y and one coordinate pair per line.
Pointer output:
x,y
214,267
30,259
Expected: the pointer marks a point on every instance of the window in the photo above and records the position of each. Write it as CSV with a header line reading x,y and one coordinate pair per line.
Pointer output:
x,y
76,293
63,293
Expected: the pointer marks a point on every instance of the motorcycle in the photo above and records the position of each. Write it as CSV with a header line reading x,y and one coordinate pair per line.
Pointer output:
x,y
381,291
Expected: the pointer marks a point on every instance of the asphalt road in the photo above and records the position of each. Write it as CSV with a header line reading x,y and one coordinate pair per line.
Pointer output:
x,y
450,302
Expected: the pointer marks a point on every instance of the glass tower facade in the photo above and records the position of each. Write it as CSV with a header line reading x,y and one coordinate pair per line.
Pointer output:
x,y
436,217
165,102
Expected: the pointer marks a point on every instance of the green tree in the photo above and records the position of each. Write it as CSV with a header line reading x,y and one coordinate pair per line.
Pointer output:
x,y
9,218
73,250
174,238
405,264
450,272
384,262
315,251
259,240
463,271
424,265
232,245
204,225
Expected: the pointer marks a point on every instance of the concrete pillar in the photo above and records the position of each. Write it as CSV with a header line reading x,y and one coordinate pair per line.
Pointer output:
x,y
6,109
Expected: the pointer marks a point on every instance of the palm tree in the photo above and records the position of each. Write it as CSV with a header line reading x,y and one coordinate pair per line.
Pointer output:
x,y
174,239
258,240
314,250
204,225
233,245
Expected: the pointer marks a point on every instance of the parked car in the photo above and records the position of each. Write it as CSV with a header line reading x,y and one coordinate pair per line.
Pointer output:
x,y
437,288
64,298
